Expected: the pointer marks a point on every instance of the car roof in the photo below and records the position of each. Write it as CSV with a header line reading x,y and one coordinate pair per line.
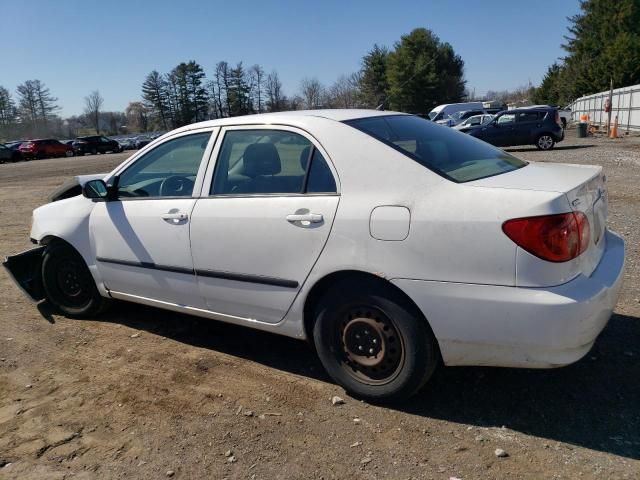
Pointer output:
x,y
529,109
338,115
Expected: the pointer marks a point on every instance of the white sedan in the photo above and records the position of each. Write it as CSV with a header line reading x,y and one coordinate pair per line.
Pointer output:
x,y
393,243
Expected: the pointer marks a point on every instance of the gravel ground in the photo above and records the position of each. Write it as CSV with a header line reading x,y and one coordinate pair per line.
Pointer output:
x,y
143,393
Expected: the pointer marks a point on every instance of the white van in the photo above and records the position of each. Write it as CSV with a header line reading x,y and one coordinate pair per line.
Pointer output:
x,y
444,114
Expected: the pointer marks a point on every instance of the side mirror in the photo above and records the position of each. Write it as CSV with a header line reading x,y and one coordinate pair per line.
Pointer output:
x,y
96,190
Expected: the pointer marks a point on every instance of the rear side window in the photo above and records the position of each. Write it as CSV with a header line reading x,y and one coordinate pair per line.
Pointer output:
x,y
454,155
529,117
255,162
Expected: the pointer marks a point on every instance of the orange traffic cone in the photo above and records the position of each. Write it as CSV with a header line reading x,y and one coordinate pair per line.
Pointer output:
x,y
614,130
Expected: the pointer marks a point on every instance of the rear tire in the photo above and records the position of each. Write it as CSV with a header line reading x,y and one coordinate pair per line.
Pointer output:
x,y
545,142
372,342
564,123
68,284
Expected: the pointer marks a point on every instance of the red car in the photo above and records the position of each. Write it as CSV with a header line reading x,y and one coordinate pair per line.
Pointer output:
x,y
45,148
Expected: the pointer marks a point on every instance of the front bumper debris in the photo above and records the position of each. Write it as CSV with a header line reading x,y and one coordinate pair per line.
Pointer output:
x,y
24,269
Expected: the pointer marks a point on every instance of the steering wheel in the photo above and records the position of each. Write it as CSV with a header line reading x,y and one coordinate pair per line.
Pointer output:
x,y
176,186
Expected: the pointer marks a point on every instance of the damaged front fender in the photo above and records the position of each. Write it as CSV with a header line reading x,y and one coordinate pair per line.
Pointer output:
x,y
24,268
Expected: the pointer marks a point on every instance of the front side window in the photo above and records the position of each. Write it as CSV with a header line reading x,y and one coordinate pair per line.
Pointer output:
x,y
253,162
169,170
456,156
506,118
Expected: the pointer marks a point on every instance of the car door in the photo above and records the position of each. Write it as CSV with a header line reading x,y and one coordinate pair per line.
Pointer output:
x,y
59,148
501,132
5,153
263,222
141,239
526,125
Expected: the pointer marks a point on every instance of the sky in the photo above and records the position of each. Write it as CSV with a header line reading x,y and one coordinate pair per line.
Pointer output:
x,y
76,47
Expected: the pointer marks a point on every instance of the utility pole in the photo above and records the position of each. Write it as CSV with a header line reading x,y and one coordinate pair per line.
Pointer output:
x,y
610,108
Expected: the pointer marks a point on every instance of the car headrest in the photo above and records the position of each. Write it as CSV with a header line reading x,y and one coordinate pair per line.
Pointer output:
x,y
261,159
304,157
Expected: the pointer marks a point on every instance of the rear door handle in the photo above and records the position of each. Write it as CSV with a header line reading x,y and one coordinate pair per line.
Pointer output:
x,y
305,217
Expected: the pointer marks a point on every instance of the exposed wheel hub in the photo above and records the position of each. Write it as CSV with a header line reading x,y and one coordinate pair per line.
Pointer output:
x,y
372,350
363,340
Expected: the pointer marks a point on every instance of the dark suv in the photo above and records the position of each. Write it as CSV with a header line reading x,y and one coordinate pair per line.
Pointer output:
x,y
95,144
538,126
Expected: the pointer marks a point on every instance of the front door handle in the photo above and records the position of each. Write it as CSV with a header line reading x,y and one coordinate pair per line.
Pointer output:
x,y
174,217
305,217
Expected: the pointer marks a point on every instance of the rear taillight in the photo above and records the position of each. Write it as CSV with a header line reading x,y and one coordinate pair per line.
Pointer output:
x,y
556,238
558,118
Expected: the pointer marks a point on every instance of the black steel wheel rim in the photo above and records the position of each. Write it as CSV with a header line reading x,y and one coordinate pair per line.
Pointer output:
x,y
71,283
370,348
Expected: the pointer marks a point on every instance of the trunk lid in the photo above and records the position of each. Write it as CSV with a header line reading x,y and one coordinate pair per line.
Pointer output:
x,y
584,187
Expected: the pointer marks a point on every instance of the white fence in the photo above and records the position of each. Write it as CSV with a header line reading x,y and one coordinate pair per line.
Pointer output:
x,y
625,103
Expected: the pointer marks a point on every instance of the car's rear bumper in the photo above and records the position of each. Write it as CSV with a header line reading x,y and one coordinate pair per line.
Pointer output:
x,y
521,327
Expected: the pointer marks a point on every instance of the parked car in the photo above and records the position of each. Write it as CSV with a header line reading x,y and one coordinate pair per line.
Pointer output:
x,y
445,113
15,144
127,144
142,141
538,126
8,155
45,148
474,121
95,144
443,249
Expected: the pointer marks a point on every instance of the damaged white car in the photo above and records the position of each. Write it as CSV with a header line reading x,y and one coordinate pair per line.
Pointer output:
x,y
392,243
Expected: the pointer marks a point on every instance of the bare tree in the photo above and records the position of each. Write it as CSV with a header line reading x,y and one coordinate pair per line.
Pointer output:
x,y
93,104
36,106
344,92
137,117
256,75
312,91
274,92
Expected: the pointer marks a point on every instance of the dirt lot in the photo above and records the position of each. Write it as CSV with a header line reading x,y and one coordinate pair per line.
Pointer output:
x,y
142,393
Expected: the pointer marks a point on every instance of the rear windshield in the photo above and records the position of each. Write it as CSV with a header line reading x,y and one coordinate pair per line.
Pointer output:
x,y
452,154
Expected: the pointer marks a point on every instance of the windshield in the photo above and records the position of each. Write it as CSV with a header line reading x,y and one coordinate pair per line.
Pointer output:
x,y
452,154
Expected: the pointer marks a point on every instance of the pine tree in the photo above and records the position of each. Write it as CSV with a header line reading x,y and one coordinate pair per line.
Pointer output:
x,y
8,110
238,97
603,45
156,99
423,72
374,86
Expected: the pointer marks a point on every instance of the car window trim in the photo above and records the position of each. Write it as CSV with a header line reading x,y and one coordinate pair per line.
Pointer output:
x,y
214,132
212,166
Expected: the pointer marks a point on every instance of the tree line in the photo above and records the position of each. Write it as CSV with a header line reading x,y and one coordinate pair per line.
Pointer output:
x,y
33,113
603,45
418,72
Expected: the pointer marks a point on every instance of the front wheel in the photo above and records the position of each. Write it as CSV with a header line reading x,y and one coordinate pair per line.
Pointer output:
x,y
68,284
545,142
372,342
